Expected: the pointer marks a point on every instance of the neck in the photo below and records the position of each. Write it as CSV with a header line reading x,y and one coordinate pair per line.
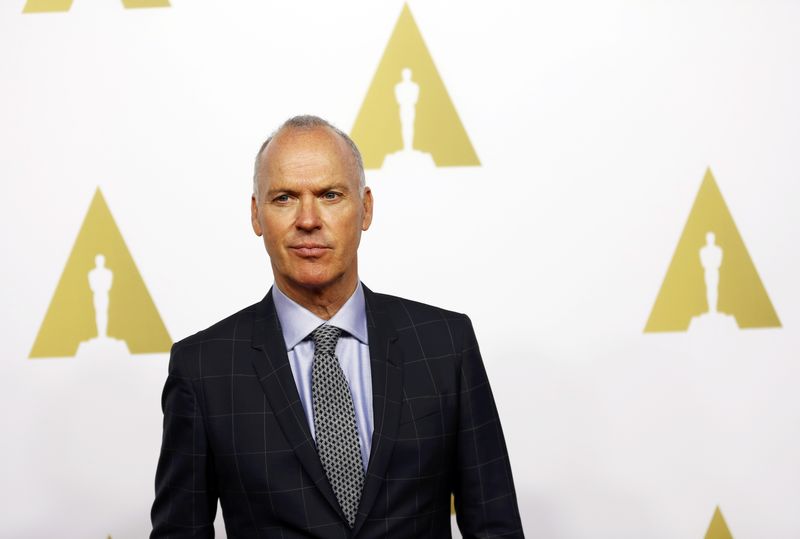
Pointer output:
x,y
323,302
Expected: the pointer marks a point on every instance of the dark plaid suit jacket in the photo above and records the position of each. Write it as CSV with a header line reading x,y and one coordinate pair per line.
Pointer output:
x,y
235,430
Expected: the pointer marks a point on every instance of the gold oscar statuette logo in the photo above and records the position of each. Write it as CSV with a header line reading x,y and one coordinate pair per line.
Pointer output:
x,y
712,283
718,529
101,305
51,6
407,117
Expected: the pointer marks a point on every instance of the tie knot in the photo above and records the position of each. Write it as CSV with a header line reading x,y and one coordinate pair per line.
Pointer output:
x,y
325,338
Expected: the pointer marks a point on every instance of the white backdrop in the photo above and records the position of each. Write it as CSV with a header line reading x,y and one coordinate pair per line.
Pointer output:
x,y
594,123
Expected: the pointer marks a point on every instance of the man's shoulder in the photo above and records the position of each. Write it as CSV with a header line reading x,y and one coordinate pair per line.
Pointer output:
x,y
408,313
237,326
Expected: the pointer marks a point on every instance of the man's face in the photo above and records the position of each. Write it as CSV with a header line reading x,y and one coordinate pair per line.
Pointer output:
x,y
309,209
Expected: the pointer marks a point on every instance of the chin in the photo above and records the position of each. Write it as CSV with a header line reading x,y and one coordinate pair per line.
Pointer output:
x,y
314,280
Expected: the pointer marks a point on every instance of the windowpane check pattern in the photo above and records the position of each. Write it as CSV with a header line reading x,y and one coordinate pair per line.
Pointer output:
x,y
235,430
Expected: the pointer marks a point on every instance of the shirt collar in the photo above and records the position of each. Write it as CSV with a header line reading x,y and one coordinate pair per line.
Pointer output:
x,y
297,322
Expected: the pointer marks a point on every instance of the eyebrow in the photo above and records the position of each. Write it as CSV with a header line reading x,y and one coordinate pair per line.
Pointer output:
x,y
324,189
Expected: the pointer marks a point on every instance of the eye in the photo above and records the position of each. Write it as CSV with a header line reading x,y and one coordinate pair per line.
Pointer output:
x,y
331,195
281,198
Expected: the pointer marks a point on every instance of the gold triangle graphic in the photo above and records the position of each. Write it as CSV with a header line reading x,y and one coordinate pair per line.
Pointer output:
x,y
133,4
718,529
683,295
50,6
46,6
131,314
437,128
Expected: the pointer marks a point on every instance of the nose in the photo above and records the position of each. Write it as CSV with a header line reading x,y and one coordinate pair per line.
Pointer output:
x,y
308,217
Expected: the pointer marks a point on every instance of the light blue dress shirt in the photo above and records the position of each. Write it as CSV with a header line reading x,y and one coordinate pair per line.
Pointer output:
x,y
352,350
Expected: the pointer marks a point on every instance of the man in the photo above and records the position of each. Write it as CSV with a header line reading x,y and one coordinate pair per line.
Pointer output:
x,y
328,410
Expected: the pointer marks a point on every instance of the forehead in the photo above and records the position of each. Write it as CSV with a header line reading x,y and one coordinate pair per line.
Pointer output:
x,y
305,155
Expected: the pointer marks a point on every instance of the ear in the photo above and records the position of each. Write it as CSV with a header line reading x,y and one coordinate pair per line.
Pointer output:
x,y
254,216
367,201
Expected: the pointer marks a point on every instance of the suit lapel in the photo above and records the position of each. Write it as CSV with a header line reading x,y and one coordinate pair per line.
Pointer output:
x,y
277,380
387,392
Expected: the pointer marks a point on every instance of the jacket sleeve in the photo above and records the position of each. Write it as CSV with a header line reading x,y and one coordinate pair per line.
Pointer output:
x,y
186,494
485,500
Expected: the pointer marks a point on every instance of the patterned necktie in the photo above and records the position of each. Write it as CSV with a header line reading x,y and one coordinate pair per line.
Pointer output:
x,y
335,423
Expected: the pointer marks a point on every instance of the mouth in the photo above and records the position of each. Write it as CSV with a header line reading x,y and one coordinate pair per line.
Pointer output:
x,y
309,250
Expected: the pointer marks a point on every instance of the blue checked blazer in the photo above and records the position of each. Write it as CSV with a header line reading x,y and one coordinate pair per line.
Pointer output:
x,y
235,431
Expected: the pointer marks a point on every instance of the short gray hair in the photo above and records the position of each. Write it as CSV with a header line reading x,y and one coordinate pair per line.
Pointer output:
x,y
306,122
